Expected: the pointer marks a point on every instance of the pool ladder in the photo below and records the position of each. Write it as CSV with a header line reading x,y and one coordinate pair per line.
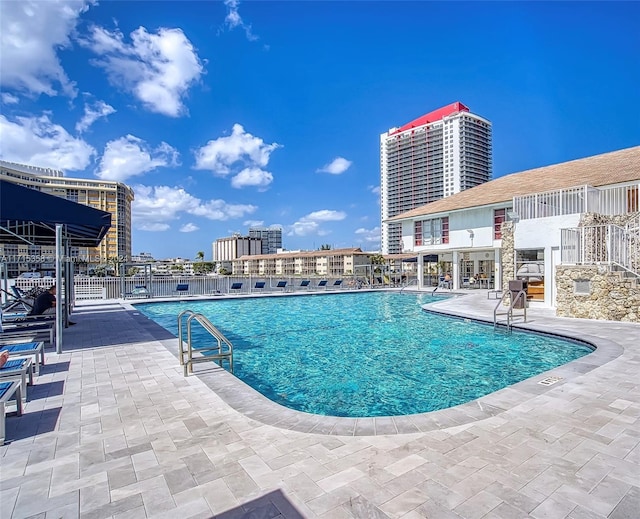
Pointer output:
x,y
220,351
518,301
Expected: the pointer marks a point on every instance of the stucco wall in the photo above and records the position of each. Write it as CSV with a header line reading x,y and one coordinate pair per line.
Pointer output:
x,y
610,296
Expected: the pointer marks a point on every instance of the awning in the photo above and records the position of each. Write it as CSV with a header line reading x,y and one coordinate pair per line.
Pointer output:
x,y
32,215
429,258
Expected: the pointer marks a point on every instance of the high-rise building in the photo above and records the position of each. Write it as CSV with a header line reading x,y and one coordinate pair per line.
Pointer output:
x,y
225,250
271,238
113,197
441,153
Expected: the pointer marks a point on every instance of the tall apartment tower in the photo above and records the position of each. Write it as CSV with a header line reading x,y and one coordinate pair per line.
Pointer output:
x,y
441,153
113,197
271,238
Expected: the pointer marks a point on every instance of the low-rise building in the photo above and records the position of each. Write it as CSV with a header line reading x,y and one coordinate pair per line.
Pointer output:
x,y
534,225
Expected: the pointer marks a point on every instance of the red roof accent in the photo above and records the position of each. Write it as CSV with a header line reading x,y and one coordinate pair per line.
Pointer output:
x,y
436,115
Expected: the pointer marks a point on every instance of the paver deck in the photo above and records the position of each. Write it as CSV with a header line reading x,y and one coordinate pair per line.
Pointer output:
x,y
113,429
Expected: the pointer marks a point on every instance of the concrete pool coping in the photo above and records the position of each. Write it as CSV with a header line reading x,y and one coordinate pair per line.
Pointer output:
x,y
254,405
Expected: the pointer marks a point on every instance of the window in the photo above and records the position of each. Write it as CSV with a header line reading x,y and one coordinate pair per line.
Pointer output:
x,y
632,199
499,217
431,232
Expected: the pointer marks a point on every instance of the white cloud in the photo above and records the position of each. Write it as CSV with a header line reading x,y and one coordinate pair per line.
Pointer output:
x,y
375,190
129,156
220,154
93,112
153,207
39,142
189,227
336,167
310,224
252,177
369,235
32,34
233,19
242,151
9,99
253,223
158,69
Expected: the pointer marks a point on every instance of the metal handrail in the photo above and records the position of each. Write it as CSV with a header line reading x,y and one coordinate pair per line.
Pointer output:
x,y
509,312
412,282
221,350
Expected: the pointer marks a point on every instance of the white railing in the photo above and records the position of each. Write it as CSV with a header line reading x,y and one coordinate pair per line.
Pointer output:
x,y
578,200
603,244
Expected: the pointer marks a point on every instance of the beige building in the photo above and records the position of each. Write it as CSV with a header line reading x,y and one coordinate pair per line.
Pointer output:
x,y
328,263
113,197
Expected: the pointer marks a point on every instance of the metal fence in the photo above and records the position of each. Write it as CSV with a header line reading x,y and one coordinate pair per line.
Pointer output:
x,y
602,244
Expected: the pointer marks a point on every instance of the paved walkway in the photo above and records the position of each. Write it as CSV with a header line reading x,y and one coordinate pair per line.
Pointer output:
x,y
113,429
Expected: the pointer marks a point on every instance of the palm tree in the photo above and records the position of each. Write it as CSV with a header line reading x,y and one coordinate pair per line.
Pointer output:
x,y
200,256
325,246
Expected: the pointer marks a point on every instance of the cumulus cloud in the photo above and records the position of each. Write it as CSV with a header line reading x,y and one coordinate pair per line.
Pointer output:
x,y
240,153
32,33
129,156
233,19
9,99
336,167
252,177
153,207
39,142
93,112
311,223
158,69
369,235
253,223
189,227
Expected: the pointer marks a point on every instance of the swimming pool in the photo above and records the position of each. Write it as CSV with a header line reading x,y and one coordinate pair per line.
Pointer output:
x,y
368,354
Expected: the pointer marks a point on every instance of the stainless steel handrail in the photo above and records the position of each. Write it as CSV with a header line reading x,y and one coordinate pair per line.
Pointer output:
x,y
509,312
221,350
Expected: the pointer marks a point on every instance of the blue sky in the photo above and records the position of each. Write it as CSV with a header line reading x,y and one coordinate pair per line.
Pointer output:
x,y
223,115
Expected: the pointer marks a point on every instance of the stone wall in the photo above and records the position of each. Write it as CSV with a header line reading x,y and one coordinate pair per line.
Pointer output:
x,y
508,254
594,292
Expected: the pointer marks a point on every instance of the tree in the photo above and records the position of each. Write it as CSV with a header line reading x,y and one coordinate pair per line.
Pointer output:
x,y
377,259
204,267
200,256
325,246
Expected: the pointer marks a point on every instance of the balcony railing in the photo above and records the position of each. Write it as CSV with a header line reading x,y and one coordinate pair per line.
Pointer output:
x,y
607,244
578,200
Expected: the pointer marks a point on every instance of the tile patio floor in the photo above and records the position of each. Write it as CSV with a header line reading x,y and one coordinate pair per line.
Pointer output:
x,y
113,429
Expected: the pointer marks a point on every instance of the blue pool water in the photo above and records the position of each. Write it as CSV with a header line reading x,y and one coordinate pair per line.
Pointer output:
x,y
367,354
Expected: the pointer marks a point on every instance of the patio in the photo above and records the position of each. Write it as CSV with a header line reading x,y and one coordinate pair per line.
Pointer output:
x,y
113,429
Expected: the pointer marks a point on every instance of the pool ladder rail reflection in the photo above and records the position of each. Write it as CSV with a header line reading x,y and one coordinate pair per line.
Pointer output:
x,y
220,351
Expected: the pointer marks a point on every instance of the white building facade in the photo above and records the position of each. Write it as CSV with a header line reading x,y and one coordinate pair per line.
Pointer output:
x,y
545,228
437,155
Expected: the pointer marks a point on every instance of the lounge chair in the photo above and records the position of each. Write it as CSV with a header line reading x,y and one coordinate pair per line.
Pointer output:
x,y
322,283
182,288
45,328
8,391
305,283
15,368
24,349
235,287
337,283
139,291
15,302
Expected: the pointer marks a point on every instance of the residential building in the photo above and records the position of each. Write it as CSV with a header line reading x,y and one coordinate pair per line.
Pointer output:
x,y
328,263
226,250
271,238
113,197
571,230
434,156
